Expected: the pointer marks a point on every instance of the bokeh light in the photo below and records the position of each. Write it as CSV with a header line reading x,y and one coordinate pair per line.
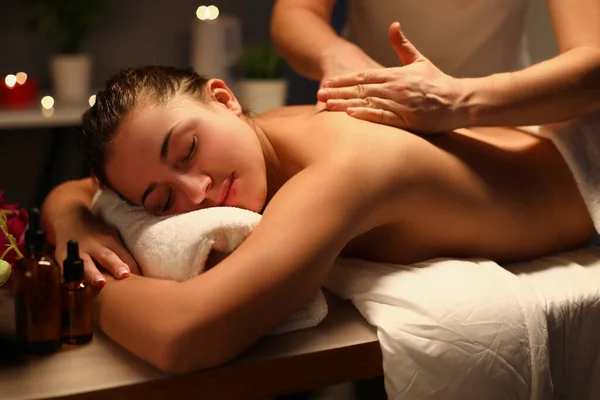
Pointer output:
x,y
21,77
10,80
47,102
207,13
213,12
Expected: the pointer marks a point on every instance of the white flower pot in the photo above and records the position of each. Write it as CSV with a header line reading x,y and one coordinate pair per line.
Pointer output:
x,y
259,95
71,77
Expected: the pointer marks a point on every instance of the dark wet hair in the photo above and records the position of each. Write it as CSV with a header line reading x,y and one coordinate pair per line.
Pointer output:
x,y
123,92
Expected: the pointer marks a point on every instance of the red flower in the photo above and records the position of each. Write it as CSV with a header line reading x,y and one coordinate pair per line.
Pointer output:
x,y
16,222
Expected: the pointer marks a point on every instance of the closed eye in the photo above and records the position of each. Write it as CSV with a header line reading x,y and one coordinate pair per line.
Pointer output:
x,y
192,150
169,201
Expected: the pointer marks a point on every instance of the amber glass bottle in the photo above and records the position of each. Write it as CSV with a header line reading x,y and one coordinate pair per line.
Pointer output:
x,y
77,299
37,294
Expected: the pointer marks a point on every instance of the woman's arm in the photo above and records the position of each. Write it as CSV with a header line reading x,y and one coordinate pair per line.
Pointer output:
x,y
208,320
66,215
561,88
64,201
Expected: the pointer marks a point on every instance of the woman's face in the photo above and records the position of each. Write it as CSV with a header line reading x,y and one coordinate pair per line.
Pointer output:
x,y
187,155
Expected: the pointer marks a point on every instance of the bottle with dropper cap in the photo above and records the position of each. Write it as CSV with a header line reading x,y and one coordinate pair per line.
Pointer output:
x,y
77,299
37,293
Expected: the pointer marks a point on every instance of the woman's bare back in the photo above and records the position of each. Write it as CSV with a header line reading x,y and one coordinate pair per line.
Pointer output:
x,y
497,193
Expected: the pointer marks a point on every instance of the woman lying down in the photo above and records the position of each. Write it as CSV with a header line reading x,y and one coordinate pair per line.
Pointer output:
x,y
326,184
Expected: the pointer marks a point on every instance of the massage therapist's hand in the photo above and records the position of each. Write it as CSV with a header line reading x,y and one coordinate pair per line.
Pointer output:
x,y
344,59
97,242
416,96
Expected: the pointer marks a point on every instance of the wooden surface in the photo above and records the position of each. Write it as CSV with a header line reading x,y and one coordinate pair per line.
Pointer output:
x,y
342,348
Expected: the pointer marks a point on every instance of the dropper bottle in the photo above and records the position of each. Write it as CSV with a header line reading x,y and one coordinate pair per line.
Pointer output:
x,y
37,293
77,299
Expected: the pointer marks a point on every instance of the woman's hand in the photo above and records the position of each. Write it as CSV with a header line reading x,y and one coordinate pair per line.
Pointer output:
x,y
97,242
417,96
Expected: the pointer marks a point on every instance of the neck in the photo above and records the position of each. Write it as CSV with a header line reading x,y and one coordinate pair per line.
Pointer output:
x,y
273,168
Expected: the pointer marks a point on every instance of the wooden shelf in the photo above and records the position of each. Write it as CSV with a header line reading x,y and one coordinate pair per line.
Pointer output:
x,y
35,117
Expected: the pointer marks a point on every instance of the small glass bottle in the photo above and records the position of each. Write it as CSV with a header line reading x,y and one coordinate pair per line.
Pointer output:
x,y
77,299
37,294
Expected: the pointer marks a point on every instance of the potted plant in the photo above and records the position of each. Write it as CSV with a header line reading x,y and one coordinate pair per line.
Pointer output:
x,y
65,23
262,85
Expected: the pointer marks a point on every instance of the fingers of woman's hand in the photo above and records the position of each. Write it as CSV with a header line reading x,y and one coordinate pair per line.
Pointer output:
x,y
92,274
111,262
124,255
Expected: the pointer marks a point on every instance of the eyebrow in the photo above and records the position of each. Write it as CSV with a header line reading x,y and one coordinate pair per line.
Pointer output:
x,y
164,152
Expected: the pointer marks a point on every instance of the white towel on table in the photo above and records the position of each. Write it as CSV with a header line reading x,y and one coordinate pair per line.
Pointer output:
x,y
177,246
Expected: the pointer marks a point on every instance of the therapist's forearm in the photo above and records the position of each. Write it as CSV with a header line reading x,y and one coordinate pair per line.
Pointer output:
x,y
565,87
301,36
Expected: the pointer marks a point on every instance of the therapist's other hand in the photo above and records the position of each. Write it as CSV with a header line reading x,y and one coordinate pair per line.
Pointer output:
x,y
97,242
344,59
416,96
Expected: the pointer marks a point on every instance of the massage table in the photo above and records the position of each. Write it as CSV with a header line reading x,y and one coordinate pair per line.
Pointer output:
x,y
342,348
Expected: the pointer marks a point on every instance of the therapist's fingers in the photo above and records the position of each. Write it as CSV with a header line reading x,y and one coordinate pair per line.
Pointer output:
x,y
320,106
369,101
406,51
355,78
377,115
353,92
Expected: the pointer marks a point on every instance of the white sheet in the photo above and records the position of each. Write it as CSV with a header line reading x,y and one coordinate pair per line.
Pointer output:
x,y
470,329
568,287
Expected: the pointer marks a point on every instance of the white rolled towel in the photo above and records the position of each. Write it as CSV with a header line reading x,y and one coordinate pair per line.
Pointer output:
x,y
177,247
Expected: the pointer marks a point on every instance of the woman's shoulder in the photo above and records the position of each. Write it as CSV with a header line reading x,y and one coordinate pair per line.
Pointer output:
x,y
317,124
289,111
305,136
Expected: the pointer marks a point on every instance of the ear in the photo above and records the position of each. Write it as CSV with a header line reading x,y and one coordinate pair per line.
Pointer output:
x,y
220,93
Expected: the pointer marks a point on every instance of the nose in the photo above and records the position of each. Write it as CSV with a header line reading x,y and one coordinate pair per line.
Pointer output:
x,y
194,187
